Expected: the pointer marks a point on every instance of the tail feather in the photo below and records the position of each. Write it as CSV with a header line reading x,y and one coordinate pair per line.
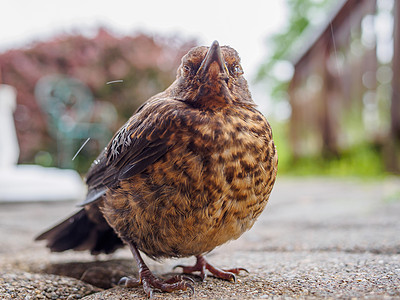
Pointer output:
x,y
79,233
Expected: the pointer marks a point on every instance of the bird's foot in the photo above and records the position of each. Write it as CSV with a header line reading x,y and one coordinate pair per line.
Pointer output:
x,y
202,265
151,282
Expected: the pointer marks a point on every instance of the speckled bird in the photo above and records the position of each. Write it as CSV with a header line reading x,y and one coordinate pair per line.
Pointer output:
x,y
192,169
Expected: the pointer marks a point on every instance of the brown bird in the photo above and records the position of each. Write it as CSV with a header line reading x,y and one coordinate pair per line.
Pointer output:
x,y
192,169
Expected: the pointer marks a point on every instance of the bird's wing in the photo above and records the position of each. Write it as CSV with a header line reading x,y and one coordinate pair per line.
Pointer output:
x,y
138,144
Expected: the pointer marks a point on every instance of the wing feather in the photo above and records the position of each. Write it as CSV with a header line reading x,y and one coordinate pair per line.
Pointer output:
x,y
139,143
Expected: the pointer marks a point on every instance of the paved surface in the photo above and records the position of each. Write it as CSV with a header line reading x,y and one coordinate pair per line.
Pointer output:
x,y
317,238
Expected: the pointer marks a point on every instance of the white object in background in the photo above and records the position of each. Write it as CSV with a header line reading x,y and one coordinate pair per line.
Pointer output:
x,y
25,183
9,150
21,183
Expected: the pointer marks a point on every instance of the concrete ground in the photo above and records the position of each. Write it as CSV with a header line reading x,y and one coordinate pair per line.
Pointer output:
x,y
318,237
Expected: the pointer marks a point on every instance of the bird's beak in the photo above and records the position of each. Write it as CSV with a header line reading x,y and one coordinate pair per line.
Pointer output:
x,y
214,63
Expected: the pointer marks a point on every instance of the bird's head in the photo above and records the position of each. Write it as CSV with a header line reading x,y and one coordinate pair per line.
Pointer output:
x,y
211,77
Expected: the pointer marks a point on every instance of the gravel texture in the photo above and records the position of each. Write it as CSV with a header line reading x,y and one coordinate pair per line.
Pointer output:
x,y
24,285
318,238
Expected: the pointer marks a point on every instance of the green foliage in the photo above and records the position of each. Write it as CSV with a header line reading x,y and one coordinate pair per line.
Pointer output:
x,y
284,44
364,160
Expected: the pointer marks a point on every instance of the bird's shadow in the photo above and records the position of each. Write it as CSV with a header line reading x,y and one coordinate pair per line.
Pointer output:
x,y
104,274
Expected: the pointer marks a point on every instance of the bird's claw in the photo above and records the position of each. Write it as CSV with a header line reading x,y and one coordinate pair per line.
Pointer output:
x,y
191,269
202,265
129,282
150,282
236,271
177,278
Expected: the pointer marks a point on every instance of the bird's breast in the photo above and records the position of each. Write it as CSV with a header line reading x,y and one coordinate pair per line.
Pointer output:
x,y
208,189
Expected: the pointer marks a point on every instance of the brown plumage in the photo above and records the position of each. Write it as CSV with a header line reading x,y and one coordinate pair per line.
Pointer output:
x,y
192,169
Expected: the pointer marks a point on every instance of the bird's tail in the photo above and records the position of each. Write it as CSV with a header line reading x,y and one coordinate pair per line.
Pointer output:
x,y
79,232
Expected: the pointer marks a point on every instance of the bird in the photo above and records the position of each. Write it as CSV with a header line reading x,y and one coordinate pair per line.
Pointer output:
x,y
192,169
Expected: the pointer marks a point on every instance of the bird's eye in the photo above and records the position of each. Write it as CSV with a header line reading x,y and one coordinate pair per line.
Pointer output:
x,y
237,69
186,69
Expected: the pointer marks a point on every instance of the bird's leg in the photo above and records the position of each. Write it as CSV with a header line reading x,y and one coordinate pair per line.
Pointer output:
x,y
202,265
149,281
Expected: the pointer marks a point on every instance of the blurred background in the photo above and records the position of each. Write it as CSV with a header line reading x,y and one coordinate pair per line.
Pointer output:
x,y
324,72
